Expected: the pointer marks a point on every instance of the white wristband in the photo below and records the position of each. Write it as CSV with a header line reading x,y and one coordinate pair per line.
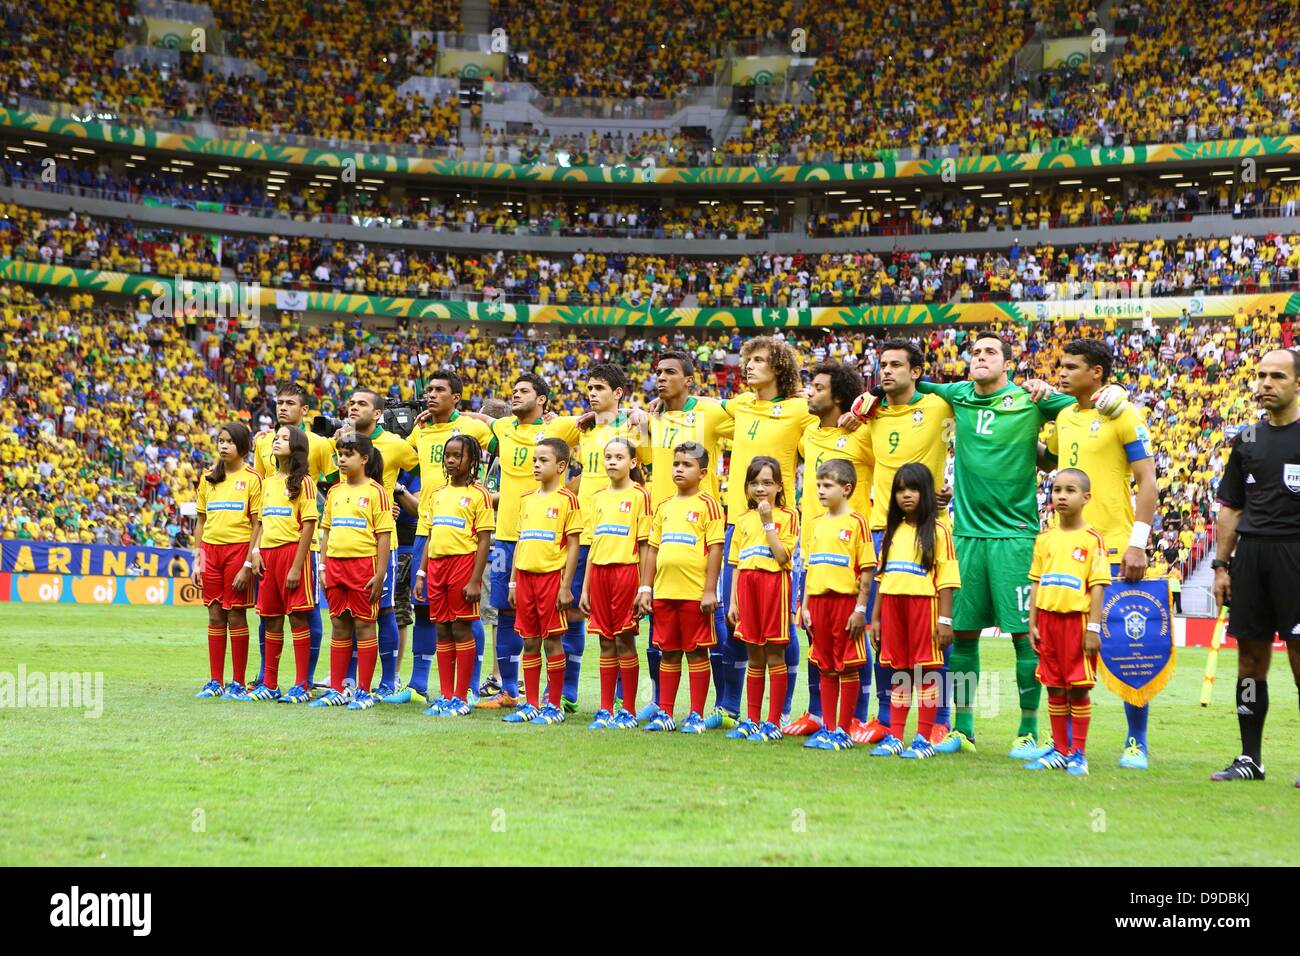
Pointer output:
x,y
511,584
1095,628
1140,536
859,609
645,589
770,526
249,565
946,620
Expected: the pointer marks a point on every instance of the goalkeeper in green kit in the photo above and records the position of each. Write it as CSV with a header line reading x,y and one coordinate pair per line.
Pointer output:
x,y
995,505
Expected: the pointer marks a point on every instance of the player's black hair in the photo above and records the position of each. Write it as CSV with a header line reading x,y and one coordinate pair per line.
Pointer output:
x,y
242,438
537,382
297,470
693,449
756,465
451,378
913,476
559,446
1084,481
636,474
610,374
294,388
687,363
846,383
839,471
915,357
1093,351
363,446
1006,346
473,452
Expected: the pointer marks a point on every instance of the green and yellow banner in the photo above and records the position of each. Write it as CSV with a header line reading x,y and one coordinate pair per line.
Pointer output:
x,y
174,34
1096,157
1071,52
471,64
974,313
759,70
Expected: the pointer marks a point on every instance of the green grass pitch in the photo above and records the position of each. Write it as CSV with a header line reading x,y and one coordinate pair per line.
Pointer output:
x,y
164,778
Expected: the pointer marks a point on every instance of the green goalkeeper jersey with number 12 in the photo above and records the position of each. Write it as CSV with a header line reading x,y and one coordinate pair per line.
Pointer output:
x,y
995,465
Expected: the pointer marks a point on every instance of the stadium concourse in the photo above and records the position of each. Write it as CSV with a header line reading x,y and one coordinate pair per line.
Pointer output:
x,y
1241,262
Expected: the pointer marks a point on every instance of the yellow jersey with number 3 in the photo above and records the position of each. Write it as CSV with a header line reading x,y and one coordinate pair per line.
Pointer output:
x,y
1104,449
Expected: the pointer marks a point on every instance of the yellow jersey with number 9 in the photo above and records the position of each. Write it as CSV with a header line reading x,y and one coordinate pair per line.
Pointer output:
x,y
917,431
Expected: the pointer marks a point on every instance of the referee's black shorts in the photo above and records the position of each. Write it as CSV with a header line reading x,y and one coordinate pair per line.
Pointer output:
x,y
1265,589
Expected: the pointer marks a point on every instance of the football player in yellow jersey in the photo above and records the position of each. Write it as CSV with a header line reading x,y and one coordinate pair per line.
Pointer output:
x,y
291,403
606,387
831,392
680,417
440,421
1114,453
769,419
365,410
906,426
516,438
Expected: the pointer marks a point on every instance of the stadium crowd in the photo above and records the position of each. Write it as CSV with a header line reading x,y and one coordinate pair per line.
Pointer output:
x,y
1187,72
96,448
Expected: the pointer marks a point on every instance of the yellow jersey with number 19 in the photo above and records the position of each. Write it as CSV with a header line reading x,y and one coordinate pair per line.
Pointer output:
x,y
515,443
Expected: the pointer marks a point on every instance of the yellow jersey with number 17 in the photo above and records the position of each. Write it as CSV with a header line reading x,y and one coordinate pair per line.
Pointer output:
x,y
704,422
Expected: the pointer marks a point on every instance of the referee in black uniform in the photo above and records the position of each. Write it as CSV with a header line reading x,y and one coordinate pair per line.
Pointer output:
x,y
1259,519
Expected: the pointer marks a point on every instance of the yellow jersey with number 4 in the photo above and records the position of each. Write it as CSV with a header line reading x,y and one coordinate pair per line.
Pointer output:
x,y
764,428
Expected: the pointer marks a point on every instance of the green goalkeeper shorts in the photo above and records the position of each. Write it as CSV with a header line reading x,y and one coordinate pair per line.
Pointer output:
x,y
994,584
